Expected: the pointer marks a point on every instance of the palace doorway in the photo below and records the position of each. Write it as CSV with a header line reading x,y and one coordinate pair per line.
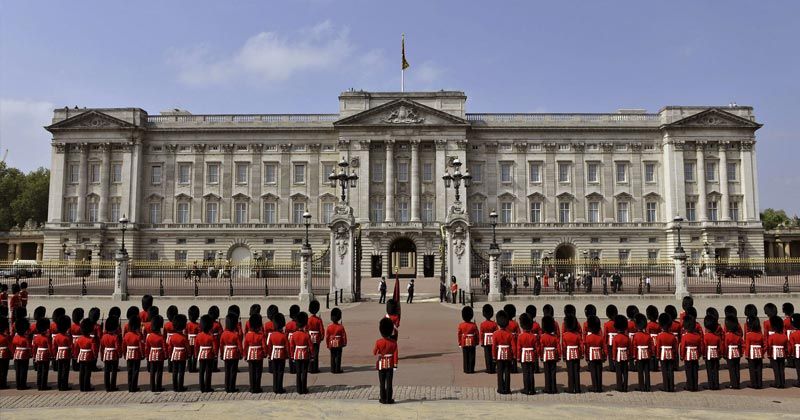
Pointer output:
x,y
403,258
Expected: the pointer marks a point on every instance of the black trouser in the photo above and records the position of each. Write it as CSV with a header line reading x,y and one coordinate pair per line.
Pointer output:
x,y
256,369
712,371
278,366
385,377
692,368
21,370
169,366
75,365
528,381
487,357
596,371
410,297
62,367
550,368
643,369
336,360
383,297
133,374
42,369
455,297
206,368
301,376
514,367
191,365
574,376
778,368
612,364
653,364
504,376
4,373
668,375
469,358
55,365
178,374
110,368
85,375
733,371
292,367
231,369
156,376
314,365
755,366
442,295
622,376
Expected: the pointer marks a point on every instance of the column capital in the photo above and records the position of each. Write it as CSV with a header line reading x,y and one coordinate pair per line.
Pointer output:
x,y
414,144
364,144
171,147
441,144
60,147
199,148
343,144
389,145
286,147
227,148
256,147
521,146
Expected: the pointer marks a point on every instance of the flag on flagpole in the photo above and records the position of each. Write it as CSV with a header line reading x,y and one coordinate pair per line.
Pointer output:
x,y
405,64
396,292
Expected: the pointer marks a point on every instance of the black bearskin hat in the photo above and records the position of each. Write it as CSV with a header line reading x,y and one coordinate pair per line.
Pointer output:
x,y
386,327
620,323
313,307
593,324
502,319
548,324
467,314
525,322
302,320
336,314
611,311
179,323
488,311
641,322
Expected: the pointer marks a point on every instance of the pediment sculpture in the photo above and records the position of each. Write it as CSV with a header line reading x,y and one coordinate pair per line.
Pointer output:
x,y
403,115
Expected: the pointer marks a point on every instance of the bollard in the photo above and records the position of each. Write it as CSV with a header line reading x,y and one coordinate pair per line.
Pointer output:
x,y
335,298
786,284
50,290
328,300
83,286
266,287
719,285
341,296
471,298
752,285
640,290
230,286
196,286
161,287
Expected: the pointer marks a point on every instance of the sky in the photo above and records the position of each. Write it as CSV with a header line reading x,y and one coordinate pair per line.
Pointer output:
x,y
509,56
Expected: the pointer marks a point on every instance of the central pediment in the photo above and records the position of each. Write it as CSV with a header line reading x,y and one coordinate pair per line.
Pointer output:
x,y
402,113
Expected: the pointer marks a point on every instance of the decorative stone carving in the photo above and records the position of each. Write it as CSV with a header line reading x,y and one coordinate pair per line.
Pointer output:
x,y
343,209
636,146
607,147
747,145
343,144
355,162
286,148
459,248
462,144
441,144
491,147
521,147
256,147
550,147
314,147
171,147
227,148
60,147
341,241
403,115
579,147
199,147
363,144
414,144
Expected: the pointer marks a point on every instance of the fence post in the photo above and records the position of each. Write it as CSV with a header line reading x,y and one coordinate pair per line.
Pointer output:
x,y
305,296
196,286
83,286
719,284
120,276
230,285
161,286
495,294
679,259
752,284
328,300
786,286
50,290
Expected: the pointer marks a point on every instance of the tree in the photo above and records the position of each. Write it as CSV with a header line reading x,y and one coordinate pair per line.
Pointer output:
x,y
23,197
771,218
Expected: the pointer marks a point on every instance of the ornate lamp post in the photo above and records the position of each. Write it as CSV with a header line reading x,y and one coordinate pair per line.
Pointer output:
x,y
307,222
679,258
123,221
677,220
493,218
456,178
495,288
345,181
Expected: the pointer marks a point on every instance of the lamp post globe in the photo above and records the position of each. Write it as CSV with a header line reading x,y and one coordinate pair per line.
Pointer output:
x,y
493,218
307,222
123,221
678,220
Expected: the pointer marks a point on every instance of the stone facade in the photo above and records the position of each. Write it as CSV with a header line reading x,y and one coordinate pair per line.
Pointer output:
x,y
231,186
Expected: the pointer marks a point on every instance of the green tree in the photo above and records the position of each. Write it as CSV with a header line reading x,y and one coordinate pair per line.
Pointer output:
x,y
771,218
23,197
11,184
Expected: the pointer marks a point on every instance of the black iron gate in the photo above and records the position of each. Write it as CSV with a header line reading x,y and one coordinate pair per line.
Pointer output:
x,y
479,272
357,254
321,273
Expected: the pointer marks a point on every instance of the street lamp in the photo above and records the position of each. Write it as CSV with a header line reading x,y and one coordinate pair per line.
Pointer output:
x,y
677,220
64,250
123,221
456,178
493,218
307,222
345,181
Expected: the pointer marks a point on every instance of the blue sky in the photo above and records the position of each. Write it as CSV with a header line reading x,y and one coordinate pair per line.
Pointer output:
x,y
511,56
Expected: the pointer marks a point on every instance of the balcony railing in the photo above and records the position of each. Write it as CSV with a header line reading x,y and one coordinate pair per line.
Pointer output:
x,y
545,225
237,226
243,118
538,119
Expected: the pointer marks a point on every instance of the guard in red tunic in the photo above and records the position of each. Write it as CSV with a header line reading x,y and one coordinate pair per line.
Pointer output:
x,y
794,346
23,294
610,332
192,329
5,352
527,344
652,329
713,350
536,329
147,302
86,349
255,349
205,351
754,343
291,327
62,351
487,328
691,348
300,352
110,352
676,329
571,348
642,346
788,329
230,352
21,350
732,348
594,351
156,350
513,328
277,349
549,351
386,351
169,330
336,340
42,352
14,301
216,332
503,346
4,296
778,349
178,349
467,339
133,350
269,327
75,333
316,331
393,313
620,349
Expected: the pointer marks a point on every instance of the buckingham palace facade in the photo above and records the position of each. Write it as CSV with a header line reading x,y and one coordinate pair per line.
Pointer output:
x,y
200,187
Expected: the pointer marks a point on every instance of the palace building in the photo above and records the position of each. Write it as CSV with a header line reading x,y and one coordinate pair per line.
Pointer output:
x,y
202,187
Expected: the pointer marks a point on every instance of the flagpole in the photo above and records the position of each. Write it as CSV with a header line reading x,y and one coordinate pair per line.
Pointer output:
x,y
402,80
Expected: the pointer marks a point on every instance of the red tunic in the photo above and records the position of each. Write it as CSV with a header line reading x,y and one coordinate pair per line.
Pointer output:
x,y
178,347
336,336
620,348
300,346
207,344
609,332
255,346
316,329
503,344
733,345
571,345
754,345
386,350
269,327
666,346
549,349
143,316
85,348
467,334
691,347
642,346
155,347
14,302
20,347
230,346
133,346
110,347
487,328
42,348
513,327
777,346
192,329
527,344
713,346
277,345
794,345
5,347
23,297
594,346
61,347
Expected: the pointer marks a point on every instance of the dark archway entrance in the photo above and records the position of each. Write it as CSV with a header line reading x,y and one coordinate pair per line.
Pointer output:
x,y
565,258
403,258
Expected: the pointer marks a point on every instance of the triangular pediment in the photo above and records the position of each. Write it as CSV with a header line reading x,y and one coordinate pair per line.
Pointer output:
x,y
400,113
92,119
594,195
537,196
714,118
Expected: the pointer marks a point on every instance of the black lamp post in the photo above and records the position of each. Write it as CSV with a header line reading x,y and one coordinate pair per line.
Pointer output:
x,y
64,250
307,222
677,220
123,221
345,181
456,178
493,218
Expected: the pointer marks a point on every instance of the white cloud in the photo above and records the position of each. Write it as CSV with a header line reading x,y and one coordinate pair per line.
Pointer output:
x,y
22,135
267,57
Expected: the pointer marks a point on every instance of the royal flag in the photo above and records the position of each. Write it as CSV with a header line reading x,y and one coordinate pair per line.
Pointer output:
x,y
403,50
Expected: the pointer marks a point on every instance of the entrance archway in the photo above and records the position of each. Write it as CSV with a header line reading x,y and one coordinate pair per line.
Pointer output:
x,y
240,254
565,258
403,255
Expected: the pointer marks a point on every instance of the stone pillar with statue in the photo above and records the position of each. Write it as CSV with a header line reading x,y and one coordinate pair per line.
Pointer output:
x,y
306,295
342,243
457,230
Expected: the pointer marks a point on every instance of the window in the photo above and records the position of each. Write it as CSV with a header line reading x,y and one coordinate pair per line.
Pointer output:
x,y
182,213
733,209
711,171
624,254
622,212
327,168
427,172
72,211
240,213
563,212
377,210
536,256
270,173
74,173
688,171
377,171
536,212
505,212
732,171
594,212
652,254
94,173
299,176
536,172
327,212
402,171
155,174
297,212
691,212
427,211
116,173
155,213
114,210
623,240
212,177
505,172
180,255
152,255
211,212
563,171
269,212
650,212
477,172
402,210
91,211
477,211
712,210
184,173
242,172
622,172
593,172
649,172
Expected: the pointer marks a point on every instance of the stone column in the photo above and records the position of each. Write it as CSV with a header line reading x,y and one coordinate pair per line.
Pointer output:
x,y
306,296
439,167
723,181
198,185
285,184
168,181
105,179
58,178
389,216
256,181
341,251
700,168
227,178
414,169
39,251
495,294
83,182
636,183
364,181
681,289
549,182
520,183
120,276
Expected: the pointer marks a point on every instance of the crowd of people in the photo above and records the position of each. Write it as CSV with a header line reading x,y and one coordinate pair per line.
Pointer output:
x,y
646,342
